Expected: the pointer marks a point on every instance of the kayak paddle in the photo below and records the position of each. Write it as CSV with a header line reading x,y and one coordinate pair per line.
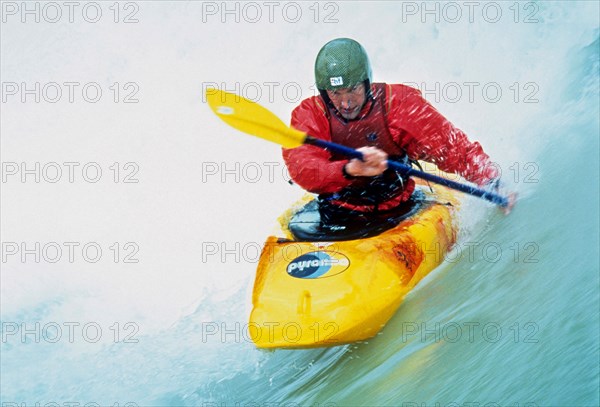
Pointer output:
x,y
252,118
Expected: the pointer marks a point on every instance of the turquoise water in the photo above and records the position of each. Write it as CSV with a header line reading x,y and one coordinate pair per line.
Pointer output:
x,y
511,319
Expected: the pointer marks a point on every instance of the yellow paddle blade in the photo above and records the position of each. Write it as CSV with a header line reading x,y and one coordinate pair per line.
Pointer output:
x,y
252,118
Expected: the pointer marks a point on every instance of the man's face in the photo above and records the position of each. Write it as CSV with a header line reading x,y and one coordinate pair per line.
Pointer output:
x,y
349,101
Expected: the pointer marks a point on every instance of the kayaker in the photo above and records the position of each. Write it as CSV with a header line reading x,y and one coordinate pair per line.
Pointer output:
x,y
382,121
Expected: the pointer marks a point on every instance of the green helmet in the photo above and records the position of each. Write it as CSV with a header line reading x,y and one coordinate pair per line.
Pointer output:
x,y
341,63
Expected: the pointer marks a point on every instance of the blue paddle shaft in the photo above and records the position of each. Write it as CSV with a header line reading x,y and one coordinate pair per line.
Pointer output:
x,y
407,170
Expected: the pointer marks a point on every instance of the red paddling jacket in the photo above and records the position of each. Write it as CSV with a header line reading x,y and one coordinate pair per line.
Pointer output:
x,y
397,120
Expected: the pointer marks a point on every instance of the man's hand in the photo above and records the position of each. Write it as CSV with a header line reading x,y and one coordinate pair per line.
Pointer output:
x,y
374,163
495,185
512,199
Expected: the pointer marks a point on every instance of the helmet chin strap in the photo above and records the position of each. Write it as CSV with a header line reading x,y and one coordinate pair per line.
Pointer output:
x,y
368,90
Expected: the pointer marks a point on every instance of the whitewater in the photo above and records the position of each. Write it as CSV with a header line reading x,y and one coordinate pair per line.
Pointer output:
x,y
132,218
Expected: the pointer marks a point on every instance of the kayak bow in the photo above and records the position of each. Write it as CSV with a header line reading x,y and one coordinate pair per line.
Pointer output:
x,y
326,293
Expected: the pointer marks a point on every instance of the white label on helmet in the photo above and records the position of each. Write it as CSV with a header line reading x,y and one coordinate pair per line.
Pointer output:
x,y
337,81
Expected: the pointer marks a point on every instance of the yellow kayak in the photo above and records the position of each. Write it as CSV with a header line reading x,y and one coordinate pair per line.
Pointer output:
x,y
340,288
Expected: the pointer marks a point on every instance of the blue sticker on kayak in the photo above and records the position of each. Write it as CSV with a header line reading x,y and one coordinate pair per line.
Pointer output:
x,y
318,264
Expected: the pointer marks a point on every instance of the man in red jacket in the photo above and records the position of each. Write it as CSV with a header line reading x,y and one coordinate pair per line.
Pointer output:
x,y
380,120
